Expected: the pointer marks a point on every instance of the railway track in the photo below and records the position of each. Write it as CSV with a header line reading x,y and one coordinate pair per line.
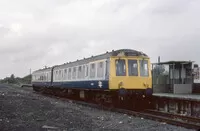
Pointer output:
x,y
168,118
175,116
183,121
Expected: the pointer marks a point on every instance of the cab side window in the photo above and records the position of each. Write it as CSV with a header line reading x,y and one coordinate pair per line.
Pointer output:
x,y
132,68
120,67
144,71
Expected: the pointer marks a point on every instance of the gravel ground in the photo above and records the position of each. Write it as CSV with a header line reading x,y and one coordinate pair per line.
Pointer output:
x,y
22,109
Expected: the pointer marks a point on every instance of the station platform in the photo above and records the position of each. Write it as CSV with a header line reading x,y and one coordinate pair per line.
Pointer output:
x,y
190,97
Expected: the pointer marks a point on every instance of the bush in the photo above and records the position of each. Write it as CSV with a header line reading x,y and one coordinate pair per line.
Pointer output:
x,y
17,80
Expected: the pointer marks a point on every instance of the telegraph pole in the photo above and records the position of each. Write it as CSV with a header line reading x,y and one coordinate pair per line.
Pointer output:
x,y
158,59
30,75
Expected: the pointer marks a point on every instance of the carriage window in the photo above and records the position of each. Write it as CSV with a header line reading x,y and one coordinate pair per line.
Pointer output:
x,y
100,70
83,72
69,73
92,71
49,75
56,75
79,71
132,68
144,68
74,73
101,64
120,67
65,74
45,76
59,75
86,71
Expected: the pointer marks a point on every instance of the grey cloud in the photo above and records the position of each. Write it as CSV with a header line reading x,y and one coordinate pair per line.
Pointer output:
x,y
53,32
169,7
3,31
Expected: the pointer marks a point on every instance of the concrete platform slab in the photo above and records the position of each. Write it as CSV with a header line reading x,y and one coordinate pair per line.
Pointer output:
x,y
193,97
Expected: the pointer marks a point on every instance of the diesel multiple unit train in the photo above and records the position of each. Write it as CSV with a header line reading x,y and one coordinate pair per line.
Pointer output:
x,y
118,77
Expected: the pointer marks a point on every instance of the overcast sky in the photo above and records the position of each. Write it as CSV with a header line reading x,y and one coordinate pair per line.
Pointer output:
x,y
48,32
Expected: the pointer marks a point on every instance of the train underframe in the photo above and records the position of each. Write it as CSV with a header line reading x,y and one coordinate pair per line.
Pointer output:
x,y
126,99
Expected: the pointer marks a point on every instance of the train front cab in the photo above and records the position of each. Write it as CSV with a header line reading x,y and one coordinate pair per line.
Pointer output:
x,y
131,77
130,73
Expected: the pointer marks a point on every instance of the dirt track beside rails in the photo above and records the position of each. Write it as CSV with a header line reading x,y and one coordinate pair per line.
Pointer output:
x,y
22,109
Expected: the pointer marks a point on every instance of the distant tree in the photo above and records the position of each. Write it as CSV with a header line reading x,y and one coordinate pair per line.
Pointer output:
x,y
16,80
27,79
12,79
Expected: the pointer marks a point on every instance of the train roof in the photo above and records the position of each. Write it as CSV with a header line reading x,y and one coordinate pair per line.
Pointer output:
x,y
128,52
124,52
42,70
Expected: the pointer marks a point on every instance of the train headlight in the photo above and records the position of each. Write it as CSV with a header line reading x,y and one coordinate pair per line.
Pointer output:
x,y
121,84
146,85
